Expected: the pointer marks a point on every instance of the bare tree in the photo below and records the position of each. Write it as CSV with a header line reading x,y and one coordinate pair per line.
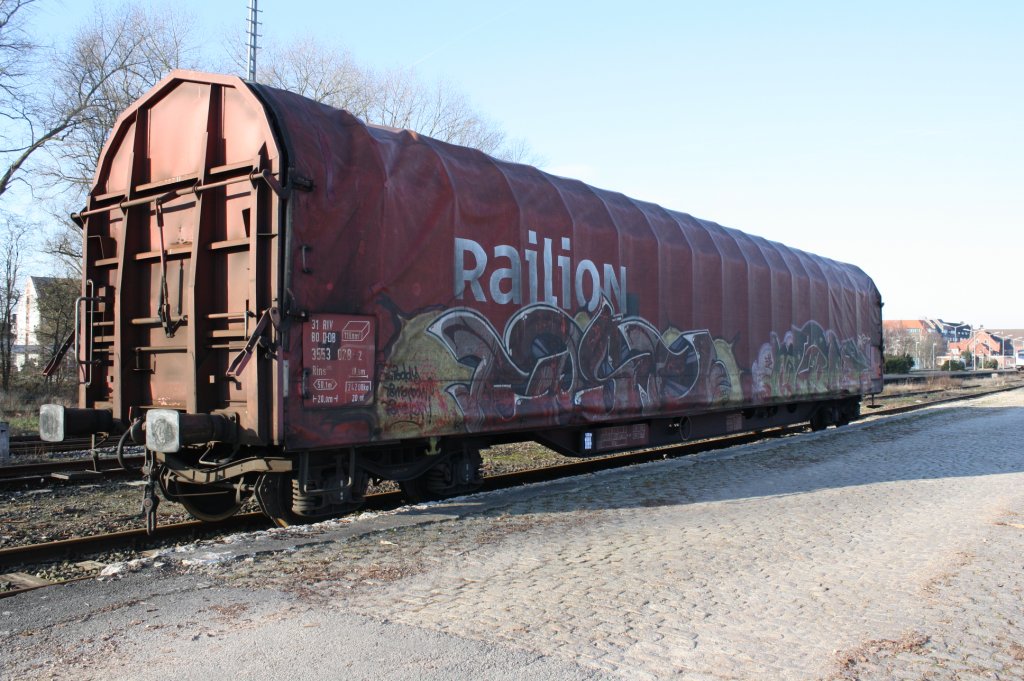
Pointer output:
x,y
144,46
56,304
64,243
436,110
18,53
328,75
12,242
394,98
922,345
72,102
16,47
124,55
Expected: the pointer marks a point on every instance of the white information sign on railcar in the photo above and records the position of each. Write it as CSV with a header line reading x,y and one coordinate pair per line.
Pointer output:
x,y
338,360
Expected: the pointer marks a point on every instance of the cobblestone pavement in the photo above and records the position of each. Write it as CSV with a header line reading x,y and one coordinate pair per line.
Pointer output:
x,y
887,549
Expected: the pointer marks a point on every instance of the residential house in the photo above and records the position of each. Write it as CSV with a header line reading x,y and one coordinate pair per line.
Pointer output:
x,y
952,331
920,338
36,315
985,344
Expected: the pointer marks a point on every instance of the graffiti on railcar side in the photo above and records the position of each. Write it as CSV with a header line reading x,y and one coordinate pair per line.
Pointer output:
x,y
547,367
405,391
451,370
410,393
810,360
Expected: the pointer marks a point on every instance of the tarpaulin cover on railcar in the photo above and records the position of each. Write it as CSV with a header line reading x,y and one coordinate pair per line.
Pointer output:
x,y
505,298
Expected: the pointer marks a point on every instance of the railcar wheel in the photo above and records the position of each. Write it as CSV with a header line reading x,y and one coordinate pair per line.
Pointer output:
x,y
848,412
419,489
274,495
833,414
458,474
279,500
203,502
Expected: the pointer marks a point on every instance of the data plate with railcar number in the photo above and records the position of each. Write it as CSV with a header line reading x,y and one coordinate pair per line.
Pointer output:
x,y
338,355
616,437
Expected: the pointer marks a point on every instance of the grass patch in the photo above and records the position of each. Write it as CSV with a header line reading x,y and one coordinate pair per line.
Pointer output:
x,y
21,424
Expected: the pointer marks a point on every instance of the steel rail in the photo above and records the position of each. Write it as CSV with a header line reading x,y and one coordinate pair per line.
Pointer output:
x,y
37,475
138,539
23,446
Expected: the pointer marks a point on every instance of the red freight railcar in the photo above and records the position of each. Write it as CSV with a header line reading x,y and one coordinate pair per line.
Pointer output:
x,y
280,300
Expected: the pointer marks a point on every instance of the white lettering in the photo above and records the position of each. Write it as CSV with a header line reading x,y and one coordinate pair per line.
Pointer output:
x,y
505,283
471,277
531,265
587,267
615,289
513,274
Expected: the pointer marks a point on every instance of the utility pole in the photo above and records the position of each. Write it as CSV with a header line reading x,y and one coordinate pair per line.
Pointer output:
x,y
253,32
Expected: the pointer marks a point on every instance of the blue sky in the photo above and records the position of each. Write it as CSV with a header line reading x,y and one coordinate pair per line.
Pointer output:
x,y
887,134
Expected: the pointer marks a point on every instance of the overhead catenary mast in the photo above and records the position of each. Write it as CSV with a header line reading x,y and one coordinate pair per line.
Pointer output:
x,y
253,32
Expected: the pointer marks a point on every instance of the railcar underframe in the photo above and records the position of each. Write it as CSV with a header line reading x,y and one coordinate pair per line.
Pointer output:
x,y
212,478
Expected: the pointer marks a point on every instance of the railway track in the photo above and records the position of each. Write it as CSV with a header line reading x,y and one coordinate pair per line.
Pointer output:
x,y
71,471
35,554
31,445
21,557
